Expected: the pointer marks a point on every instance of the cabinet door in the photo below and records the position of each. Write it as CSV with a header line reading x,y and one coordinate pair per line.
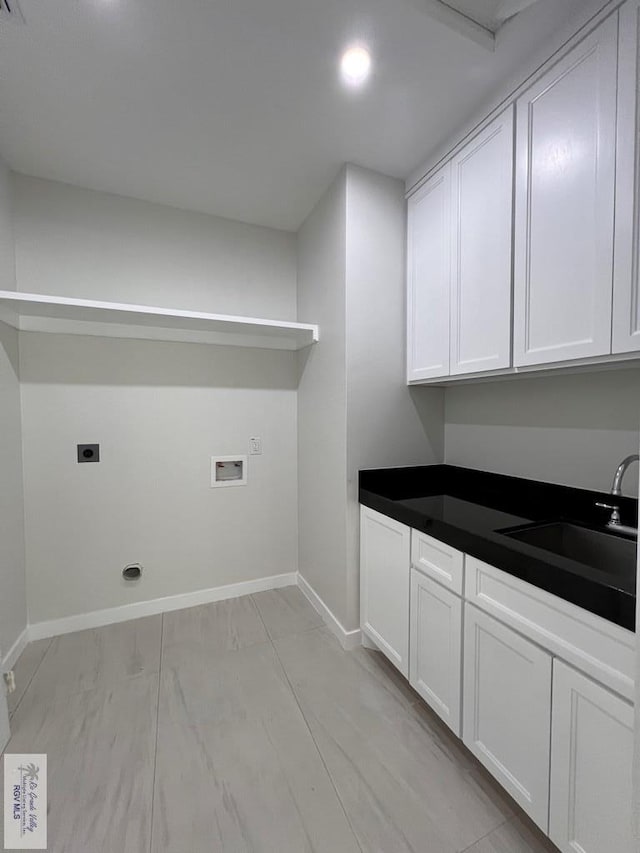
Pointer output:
x,y
435,647
385,547
507,709
482,227
591,766
626,286
565,182
429,278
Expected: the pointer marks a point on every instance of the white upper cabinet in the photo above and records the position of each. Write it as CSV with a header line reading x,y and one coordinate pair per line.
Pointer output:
x,y
482,223
524,249
565,183
626,310
429,277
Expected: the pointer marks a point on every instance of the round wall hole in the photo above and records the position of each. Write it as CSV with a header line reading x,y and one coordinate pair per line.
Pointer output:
x,y
132,572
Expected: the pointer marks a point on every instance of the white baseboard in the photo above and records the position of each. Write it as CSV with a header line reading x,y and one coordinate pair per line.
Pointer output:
x,y
348,639
112,615
368,643
15,651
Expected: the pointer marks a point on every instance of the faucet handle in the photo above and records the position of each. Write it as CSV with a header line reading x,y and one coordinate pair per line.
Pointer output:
x,y
615,511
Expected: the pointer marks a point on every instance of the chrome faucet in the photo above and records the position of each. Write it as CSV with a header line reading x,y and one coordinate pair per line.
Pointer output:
x,y
620,472
616,490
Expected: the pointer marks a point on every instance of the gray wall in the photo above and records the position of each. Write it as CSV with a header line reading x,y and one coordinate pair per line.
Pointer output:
x,y
322,401
387,424
571,429
92,245
13,606
354,409
159,410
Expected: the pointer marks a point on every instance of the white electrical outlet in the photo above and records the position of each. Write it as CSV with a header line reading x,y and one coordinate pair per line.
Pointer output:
x,y
255,446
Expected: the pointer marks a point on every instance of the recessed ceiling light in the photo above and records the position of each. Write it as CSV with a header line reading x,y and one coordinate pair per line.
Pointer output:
x,y
355,65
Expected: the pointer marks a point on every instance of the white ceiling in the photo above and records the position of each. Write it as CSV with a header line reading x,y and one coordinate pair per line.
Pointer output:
x,y
234,107
489,13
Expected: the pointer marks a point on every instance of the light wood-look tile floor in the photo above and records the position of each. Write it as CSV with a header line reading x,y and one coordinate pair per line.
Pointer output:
x,y
243,727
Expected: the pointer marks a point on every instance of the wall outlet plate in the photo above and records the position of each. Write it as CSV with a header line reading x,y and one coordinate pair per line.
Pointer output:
x,y
255,446
88,453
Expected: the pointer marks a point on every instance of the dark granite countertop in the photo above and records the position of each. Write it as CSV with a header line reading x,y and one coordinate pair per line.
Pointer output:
x,y
466,509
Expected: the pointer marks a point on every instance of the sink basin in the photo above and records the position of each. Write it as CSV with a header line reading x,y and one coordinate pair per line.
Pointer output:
x,y
604,551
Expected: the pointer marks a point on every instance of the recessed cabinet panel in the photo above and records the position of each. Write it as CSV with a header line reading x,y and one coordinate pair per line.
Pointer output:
x,y
482,225
435,648
565,181
429,277
507,710
385,547
591,766
626,293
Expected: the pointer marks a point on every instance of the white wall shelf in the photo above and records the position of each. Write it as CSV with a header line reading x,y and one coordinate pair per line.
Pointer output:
x,y
37,312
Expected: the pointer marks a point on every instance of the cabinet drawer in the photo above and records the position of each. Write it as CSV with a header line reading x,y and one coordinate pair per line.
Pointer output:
x,y
437,560
599,648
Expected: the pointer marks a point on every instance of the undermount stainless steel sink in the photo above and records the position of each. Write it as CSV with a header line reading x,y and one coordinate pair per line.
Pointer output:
x,y
604,551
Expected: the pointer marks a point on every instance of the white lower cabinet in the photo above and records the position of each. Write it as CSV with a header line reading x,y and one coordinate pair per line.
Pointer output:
x,y
591,758
507,710
558,741
385,549
435,654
